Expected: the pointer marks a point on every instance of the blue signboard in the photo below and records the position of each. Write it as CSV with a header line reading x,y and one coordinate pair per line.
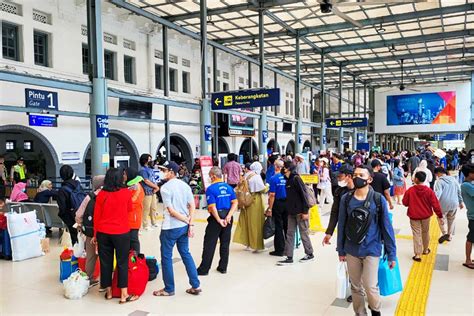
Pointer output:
x,y
439,137
265,136
360,137
42,120
102,126
300,138
245,99
207,133
346,122
41,99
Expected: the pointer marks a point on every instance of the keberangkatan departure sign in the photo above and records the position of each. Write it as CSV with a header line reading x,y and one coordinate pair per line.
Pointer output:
x,y
240,99
347,122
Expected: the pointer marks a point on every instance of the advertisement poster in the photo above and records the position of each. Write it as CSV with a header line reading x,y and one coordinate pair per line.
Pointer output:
x,y
206,165
422,108
240,122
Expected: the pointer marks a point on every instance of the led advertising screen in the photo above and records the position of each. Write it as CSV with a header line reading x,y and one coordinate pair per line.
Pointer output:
x,y
422,108
240,122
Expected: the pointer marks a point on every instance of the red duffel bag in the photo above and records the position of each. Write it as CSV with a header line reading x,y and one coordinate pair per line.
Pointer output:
x,y
137,276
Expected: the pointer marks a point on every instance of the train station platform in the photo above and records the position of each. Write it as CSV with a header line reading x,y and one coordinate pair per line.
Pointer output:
x,y
254,284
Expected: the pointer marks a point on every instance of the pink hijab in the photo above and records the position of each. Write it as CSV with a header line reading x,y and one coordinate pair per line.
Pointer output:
x,y
17,193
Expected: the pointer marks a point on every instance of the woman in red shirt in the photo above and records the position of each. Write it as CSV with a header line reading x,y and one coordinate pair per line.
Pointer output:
x,y
112,232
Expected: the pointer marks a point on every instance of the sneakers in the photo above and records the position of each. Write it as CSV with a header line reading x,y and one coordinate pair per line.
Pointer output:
x,y
276,254
93,283
288,261
222,270
307,258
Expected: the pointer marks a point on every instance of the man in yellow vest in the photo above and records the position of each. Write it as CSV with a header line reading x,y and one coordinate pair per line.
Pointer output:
x,y
18,171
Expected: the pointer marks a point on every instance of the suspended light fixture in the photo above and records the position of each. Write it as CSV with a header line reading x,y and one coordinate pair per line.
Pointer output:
x,y
209,20
380,30
253,44
392,48
283,59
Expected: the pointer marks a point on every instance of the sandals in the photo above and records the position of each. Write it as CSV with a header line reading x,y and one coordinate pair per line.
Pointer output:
x,y
130,298
415,258
108,298
427,252
469,266
162,292
193,291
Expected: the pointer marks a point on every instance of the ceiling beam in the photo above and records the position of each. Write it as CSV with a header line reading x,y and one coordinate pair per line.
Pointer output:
x,y
380,44
395,18
406,79
406,68
249,5
393,57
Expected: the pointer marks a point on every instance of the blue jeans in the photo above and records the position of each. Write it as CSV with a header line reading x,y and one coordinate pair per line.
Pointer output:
x,y
168,239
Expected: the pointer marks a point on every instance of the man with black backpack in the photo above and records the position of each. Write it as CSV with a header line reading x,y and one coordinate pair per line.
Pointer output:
x,y
85,220
364,228
70,197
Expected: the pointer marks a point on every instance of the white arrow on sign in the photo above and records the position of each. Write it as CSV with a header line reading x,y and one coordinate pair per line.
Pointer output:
x,y
105,133
217,102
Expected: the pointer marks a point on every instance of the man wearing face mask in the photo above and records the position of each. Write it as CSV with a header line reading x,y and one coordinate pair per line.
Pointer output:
x,y
345,184
150,203
362,248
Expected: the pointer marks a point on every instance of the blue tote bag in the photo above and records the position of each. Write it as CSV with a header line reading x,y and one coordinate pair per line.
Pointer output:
x,y
390,281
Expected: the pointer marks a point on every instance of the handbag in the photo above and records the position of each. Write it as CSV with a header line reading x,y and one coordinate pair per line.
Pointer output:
x,y
342,282
390,280
138,275
268,227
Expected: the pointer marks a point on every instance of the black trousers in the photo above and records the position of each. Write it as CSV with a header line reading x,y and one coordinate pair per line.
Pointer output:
x,y
280,216
107,244
134,241
215,231
2,190
73,233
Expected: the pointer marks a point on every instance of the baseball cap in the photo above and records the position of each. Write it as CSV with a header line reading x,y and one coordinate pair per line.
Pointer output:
x,y
170,165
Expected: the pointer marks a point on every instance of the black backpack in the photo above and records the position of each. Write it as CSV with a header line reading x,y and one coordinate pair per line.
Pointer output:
x,y
88,217
359,220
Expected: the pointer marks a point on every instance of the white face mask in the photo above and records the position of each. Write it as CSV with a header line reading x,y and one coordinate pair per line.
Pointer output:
x,y
342,183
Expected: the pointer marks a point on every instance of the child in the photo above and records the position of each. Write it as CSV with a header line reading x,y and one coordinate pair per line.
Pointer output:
x,y
421,202
467,191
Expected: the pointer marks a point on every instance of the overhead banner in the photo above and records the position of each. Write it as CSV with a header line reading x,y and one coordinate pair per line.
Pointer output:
x,y
241,99
347,122
422,108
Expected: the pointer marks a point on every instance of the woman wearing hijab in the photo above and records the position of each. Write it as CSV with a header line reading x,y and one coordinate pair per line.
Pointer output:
x,y
18,193
423,167
45,192
249,231
325,184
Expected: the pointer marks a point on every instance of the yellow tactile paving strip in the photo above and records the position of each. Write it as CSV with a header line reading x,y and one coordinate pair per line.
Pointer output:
x,y
417,287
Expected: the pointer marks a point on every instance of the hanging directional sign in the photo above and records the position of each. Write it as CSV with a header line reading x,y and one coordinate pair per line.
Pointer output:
x,y
240,99
47,100
346,122
42,120
102,126
207,133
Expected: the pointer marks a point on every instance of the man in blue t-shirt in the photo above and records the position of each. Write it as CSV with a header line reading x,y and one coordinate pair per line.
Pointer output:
x,y
221,204
150,202
277,208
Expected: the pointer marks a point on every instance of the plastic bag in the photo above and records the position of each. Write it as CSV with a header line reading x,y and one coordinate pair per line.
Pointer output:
x,y
76,286
342,286
268,228
65,239
390,281
24,234
79,247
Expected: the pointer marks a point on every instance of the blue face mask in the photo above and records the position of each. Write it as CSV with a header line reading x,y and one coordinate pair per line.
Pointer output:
x,y
23,190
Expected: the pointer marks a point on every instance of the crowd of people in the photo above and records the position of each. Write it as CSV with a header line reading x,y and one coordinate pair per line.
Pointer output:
x,y
360,187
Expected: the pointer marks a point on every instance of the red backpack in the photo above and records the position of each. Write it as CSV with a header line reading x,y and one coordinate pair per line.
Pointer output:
x,y
138,274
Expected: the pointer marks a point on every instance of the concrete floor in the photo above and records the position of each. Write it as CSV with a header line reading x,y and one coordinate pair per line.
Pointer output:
x,y
253,285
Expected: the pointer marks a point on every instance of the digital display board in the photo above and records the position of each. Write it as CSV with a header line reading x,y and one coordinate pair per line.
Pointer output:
x,y
422,108
240,122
